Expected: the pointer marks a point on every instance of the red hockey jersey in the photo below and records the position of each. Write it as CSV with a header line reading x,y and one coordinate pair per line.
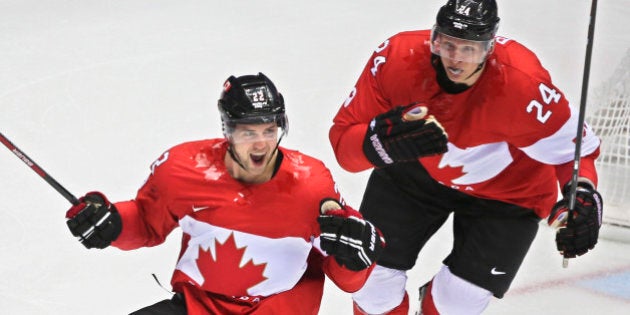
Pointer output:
x,y
511,135
246,248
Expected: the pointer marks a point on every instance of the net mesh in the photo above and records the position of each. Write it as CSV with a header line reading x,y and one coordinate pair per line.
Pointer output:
x,y
609,116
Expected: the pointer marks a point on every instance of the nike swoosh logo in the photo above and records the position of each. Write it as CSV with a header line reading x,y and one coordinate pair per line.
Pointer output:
x,y
195,209
495,272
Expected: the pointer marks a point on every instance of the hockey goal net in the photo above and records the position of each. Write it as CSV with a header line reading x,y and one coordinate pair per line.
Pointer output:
x,y
609,116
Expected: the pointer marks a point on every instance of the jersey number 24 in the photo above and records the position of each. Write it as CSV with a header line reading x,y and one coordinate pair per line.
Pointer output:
x,y
548,95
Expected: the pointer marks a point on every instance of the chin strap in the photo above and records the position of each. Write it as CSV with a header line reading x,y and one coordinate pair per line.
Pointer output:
x,y
476,70
278,144
235,157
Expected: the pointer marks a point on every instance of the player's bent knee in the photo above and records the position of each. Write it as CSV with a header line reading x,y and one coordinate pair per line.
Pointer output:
x,y
383,291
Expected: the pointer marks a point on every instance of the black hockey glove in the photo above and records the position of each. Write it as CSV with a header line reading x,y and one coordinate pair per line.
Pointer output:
x,y
403,134
354,242
95,221
578,233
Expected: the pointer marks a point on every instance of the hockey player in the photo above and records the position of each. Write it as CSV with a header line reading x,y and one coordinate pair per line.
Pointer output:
x,y
254,241
455,120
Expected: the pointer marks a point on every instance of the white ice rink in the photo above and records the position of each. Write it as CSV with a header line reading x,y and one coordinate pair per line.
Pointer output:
x,y
95,90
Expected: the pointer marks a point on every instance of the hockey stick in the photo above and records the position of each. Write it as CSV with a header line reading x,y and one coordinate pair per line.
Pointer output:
x,y
580,127
22,156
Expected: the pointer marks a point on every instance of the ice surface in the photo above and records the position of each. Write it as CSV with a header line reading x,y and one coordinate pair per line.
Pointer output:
x,y
94,91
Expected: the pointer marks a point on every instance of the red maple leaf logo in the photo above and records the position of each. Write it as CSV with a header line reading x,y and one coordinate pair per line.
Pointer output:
x,y
224,275
448,172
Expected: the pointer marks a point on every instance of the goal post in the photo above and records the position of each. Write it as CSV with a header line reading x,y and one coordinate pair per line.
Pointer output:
x,y
609,116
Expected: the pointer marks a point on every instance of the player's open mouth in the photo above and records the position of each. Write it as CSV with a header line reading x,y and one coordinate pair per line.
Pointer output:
x,y
455,71
257,158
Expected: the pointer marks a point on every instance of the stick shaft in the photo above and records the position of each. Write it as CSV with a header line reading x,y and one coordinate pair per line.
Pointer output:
x,y
582,113
28,161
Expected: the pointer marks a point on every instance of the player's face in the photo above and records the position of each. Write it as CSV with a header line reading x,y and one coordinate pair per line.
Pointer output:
x,y
254,145
460,57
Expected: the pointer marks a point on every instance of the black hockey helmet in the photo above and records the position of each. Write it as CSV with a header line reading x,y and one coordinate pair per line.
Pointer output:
x,y
251,99
475,20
